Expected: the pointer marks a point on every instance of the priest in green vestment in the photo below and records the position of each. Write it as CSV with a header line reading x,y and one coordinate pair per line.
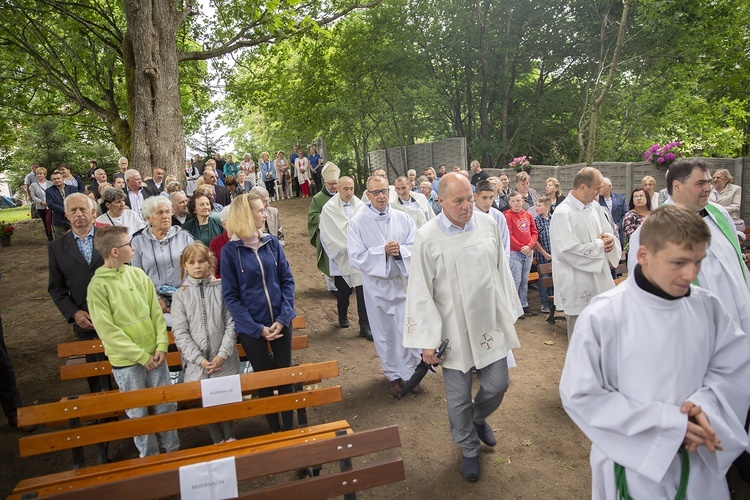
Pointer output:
x,y
330,175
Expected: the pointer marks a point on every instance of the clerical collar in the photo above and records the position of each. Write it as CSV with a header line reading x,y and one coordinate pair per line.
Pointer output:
x,y
703,213
402,202
347,204
384,212
645,285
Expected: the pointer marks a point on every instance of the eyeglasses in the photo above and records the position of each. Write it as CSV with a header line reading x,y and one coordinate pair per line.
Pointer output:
x,y
378,192
128,244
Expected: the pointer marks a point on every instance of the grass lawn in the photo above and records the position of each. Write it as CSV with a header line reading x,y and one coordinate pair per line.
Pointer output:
x,y
15,214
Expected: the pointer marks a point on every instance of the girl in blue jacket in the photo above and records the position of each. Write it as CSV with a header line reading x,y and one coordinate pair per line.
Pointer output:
x,y
258,289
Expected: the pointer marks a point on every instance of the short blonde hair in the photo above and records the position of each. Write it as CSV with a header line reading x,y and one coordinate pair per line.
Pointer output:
x,y
522,176
240,221
555,183
197,249
40,170
723,172
675,224
647,178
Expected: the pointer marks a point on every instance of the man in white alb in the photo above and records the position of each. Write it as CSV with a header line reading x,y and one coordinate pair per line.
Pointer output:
x,y
334,227
656,372
584,247
460,288
412,203
379,245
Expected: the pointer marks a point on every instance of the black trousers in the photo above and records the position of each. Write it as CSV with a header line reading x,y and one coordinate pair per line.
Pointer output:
x,y
280,357
96,384
10,399
342,301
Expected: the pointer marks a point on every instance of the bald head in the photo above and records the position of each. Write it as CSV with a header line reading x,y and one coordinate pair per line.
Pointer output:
x,y
450,182
454,195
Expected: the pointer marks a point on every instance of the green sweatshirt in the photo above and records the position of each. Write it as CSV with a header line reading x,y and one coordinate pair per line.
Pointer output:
x,y
126,314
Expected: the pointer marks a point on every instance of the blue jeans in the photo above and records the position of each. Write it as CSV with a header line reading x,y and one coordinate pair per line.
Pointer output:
x,y
520,265
137,377
545,292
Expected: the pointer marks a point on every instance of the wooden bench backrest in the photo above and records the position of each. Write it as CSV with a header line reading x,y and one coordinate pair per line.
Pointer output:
x,y
163,481
95,346
96,368
107,402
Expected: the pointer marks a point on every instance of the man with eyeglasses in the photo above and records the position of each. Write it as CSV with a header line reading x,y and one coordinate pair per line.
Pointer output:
x,y
379,245
72,263
330,175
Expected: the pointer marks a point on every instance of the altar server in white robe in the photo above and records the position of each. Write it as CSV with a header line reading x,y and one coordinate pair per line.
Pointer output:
x,y
334,226
722,272
379,245
412,203
656,372
460,288
584,246
484,196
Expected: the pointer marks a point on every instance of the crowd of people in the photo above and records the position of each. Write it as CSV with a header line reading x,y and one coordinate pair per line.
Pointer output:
x,y
443,255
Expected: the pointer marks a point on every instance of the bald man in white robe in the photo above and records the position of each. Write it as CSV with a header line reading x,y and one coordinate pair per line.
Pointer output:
x,y
461,289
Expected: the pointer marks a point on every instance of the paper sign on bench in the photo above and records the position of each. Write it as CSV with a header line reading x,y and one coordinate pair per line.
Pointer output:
x,y
221,390
214,480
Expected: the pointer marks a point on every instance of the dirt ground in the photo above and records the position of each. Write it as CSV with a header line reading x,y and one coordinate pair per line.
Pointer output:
x,y
540,452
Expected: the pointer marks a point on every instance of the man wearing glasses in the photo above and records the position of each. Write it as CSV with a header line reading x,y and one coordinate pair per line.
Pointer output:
x,y
379,245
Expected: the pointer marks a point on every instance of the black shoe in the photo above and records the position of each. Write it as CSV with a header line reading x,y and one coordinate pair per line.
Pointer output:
x,y
344,323
523,316
366,334
484,431
530,311
470,468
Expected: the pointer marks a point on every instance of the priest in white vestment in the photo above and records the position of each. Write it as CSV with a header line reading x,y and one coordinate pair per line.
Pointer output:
x,y
656,372
460,288
722,272
379,245
413,203
584,246
334,227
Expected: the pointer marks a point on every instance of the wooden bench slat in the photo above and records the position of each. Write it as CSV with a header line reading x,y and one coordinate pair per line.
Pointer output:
x,y
105,432
95,404
163,480
88,476
79,369
83,347
335,485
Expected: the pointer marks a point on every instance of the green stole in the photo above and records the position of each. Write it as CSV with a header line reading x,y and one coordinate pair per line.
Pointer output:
x,y
730,234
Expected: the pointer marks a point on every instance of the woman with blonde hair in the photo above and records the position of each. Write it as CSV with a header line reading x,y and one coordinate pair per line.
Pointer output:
x,y
648,183
552,188
258,288
727,195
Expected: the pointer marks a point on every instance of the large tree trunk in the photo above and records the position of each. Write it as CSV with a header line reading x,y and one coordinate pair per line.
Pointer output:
x,y
150,53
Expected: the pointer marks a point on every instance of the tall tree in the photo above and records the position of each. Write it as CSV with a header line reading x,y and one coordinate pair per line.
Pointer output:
x,y
81,50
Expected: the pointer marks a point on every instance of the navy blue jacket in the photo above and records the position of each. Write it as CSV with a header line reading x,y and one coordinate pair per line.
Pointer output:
x,y
258,287
619,207
56,203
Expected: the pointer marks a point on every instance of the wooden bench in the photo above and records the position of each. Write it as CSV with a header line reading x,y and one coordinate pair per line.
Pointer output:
x,y
160,481
82,409
76,366
547,282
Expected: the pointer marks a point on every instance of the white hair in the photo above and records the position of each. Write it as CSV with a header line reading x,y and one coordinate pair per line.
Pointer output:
x,y
75,196
152,203
260,191
607,181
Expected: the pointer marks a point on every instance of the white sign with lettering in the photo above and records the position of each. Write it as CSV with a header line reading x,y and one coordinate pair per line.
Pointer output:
x,y
221,390
214,480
